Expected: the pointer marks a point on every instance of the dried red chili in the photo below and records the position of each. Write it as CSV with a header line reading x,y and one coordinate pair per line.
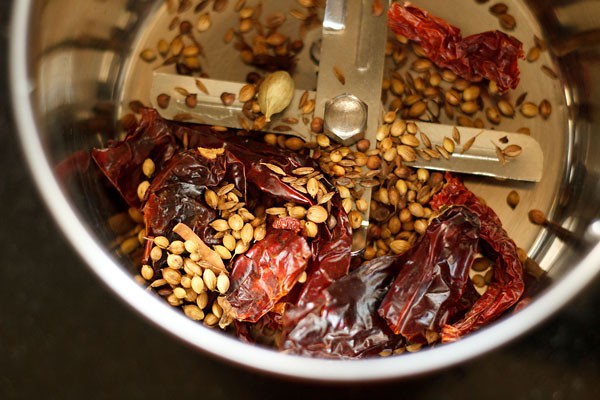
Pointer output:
x,y
491,55
176,195
343,322
508,283
121,161
266,273
427,291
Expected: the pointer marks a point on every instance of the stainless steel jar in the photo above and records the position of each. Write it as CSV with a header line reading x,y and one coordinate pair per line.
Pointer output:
x,y
69,61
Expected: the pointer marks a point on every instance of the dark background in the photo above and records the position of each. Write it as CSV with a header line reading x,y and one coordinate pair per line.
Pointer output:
x,y
64,335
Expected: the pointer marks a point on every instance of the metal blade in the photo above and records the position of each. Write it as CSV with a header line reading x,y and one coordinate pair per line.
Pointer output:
x,y
481,157
351,68
210,110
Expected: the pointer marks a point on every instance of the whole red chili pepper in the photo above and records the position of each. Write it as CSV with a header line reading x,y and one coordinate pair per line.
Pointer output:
x,y
343,322
492,55
266,273
427,291
508,283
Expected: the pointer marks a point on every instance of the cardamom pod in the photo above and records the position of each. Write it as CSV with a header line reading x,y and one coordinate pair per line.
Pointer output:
x,y
275,93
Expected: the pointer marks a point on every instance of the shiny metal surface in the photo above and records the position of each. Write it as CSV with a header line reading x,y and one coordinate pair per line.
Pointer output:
x,y
69,82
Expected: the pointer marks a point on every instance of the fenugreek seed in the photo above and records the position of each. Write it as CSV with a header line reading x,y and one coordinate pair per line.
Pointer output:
x,y
507,21
220,225
499,9
506,108
410,140
311,229
197,284
223,252
275,168
361,205
294,143
161,242
202,300
448,144
545,109
512,150
223,283
308,107
247,93
471,93
129,245
406,153
179,292
216,309
163,100
228,37
417,109
399,246
241,247
412,128
176,247
355,219
513,199
390,155
162,47
416,210
235,222
422,65
280,211
229,242
420,226
464,121
211,319
171,276
246,25
398,127
448,76
193,312
492,115
317,214
247,233
156,253
312,187
148,167
204,22
461,84
260,232
275,20
470,142
347,205
147,272
481,264
339,75
533,54
469,107
422,175
478,280
452,97
387,143
529,110
227,98
175,261
148,55
323,141
246,12
549,72
211,198
210,279
142,189
325,197
191,100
